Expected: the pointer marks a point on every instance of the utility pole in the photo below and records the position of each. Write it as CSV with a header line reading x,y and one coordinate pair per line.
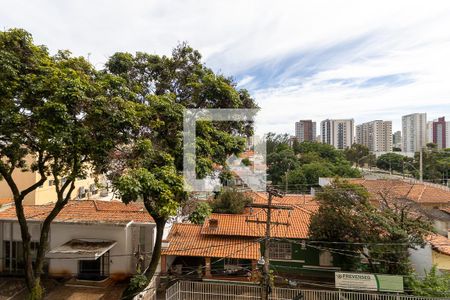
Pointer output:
x,y
265,287
266,271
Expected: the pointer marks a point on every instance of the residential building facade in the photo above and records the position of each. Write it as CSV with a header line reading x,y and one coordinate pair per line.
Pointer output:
x,y
89,239
414,132
338,133
305,130
46,193
438,132
397,140
375,135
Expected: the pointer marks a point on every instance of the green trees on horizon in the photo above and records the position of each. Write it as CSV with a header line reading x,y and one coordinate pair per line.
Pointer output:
x,y
301,165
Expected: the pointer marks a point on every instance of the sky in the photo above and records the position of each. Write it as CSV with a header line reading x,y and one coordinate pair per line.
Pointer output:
x,y
314,60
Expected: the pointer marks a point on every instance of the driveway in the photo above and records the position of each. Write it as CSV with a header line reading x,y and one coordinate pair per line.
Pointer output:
x,y
14,289
112,292
11,288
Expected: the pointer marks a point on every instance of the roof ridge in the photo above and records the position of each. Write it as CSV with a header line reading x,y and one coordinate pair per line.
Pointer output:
x,y
421,194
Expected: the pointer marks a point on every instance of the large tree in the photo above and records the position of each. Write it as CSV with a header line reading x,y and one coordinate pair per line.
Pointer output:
x,y
48,125
150,167
394,162
350,226
357,154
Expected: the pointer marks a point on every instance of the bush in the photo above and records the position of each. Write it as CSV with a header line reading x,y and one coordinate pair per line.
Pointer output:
x,y
201,212
230,201
432,285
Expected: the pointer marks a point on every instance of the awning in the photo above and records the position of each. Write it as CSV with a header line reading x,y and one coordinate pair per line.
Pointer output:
x,y
83,249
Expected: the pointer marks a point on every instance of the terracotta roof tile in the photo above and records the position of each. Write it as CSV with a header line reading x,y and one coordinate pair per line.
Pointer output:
x,y
5,201
85,211
417,192
187,240
440,243
297,220
446,209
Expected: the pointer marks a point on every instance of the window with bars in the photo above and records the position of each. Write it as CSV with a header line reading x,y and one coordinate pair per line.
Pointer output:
x,y
280,250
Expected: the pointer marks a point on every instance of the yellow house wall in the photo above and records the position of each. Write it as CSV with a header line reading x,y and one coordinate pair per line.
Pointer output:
x,y
42,195
442,261
23,181
47,193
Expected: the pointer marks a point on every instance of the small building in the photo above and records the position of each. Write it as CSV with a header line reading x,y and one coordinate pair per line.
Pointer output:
x,y
89,239
231,244
440,254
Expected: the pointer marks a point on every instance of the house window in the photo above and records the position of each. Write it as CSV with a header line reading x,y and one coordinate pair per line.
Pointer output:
x,y
325,259
13,256
279,250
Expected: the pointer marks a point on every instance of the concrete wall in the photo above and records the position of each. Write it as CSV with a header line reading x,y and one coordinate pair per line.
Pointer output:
x,y
441,227
442,261
421,259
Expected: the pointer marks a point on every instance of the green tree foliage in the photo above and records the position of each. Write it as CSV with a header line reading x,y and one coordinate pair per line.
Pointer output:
x,y
279,163
201,212
355,227
276,142
432,285
393,161
230,201
162,87
305,163
49,109
246,162
357,154
436,164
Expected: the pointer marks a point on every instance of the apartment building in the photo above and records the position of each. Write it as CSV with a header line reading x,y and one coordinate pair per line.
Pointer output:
x,y
84,188
375,135
438,132
305,130
397,139
339,133
414,132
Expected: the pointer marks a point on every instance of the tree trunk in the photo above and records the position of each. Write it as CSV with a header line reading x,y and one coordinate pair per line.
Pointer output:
x,y
30,278
160,224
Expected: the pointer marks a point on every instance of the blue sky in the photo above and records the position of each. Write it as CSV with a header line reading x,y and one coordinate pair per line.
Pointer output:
x,y
300,59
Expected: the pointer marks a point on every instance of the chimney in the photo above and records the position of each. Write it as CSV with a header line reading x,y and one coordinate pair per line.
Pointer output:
x,y
213,224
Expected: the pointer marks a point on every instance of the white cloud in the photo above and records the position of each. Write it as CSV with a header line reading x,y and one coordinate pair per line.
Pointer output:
x,y
410,38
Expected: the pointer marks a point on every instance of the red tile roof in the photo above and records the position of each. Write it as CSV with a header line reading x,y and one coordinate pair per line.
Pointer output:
x,y
187,240
440,243
291,223
417,192
5,201
85,211
446,209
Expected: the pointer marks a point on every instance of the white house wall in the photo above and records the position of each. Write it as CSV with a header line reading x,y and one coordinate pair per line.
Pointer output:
x,y
122,255
421,259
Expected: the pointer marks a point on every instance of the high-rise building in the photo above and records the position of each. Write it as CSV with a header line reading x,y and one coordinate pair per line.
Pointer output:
x,y
338,133
414,132
397,139
375,135
438,132
305,130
